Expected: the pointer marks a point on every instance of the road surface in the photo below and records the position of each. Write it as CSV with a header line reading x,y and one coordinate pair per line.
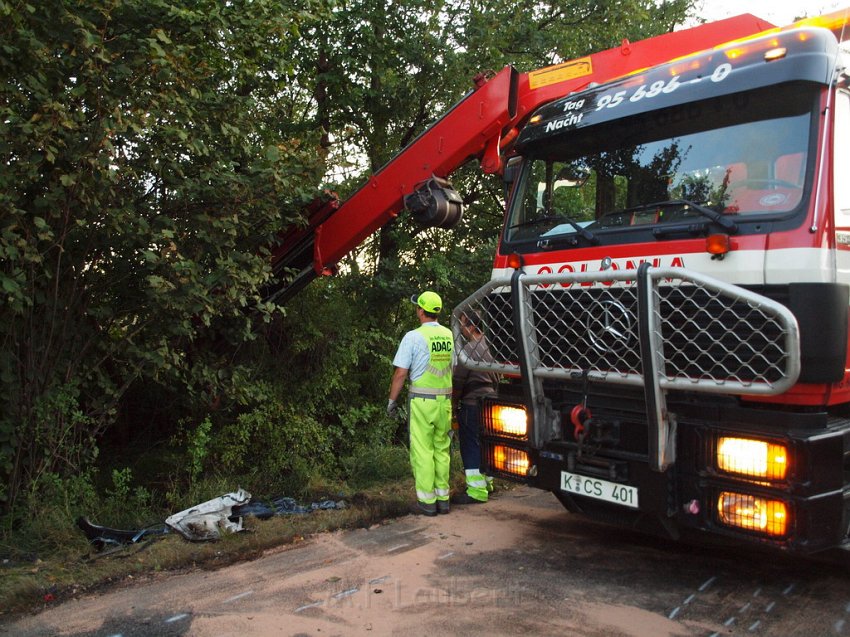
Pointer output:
x,y
519,565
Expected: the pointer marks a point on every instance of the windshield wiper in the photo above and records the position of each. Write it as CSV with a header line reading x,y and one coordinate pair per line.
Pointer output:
x,y
582,232
720,219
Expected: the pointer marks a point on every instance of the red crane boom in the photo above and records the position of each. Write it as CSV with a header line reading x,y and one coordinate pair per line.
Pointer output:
x,y
480,126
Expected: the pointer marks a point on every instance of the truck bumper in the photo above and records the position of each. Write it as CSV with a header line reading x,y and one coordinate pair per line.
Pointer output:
x,y
803,506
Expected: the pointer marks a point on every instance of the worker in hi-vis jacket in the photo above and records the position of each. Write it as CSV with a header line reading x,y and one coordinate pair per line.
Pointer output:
x,y
425,356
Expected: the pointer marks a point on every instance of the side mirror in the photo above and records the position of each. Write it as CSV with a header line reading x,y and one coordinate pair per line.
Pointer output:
x,y
511,171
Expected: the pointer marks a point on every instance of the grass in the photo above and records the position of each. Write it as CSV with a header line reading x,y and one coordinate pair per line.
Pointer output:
x,y
379,487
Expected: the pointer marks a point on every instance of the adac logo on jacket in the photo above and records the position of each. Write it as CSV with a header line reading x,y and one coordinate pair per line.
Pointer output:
x,y
441,345
441,349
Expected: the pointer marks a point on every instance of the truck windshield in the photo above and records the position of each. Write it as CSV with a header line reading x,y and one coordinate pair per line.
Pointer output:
x,y
716,163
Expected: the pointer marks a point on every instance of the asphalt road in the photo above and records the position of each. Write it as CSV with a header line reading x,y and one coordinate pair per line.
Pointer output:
x,y
519,565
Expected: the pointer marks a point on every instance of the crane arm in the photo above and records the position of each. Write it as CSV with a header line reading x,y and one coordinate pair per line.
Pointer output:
x,y
481,126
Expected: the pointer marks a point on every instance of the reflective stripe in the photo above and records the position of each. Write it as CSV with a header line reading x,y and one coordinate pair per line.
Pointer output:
x,y
476,485
429,392
475,479
439,373
442,493
425,496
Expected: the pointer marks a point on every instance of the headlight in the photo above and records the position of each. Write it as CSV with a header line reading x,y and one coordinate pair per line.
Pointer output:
x,y
752,458
505,420
752,513
509,460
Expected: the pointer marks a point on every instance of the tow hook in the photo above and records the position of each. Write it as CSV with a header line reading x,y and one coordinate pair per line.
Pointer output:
x,y
580,418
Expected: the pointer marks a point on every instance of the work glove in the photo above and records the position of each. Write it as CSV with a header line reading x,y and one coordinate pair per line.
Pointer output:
x,y
392,408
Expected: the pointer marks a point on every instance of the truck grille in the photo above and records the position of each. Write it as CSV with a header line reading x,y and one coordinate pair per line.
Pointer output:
x,y
707,335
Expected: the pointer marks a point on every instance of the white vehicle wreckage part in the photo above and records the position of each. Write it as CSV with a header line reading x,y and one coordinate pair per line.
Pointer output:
x,y
205,521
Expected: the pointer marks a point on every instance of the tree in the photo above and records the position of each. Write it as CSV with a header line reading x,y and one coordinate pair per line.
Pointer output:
x,y
151,153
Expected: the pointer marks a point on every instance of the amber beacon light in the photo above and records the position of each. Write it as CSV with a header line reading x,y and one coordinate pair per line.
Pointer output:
x,y
718,245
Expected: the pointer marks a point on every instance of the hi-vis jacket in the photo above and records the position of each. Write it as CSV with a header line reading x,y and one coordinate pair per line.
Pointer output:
x,y
437,379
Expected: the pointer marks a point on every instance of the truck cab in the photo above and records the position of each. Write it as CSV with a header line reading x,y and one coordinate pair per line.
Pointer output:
x,y
669,299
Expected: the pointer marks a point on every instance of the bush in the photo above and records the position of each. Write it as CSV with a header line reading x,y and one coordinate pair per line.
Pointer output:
x,y
275,446
54,503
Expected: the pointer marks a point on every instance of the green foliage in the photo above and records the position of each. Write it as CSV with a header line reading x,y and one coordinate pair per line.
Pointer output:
x,y
337,351
368,424
54,502
199,441
68,497
180,496
125,506
150,156
58,435
275,446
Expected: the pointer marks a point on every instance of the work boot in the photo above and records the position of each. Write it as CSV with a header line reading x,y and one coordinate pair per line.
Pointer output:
x,y
442,506
424,508
465,498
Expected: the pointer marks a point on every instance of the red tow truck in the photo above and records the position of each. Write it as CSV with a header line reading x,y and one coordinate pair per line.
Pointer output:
x,y
669,298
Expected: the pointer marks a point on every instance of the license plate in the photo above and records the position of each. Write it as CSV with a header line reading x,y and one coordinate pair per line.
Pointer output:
x,y
599,489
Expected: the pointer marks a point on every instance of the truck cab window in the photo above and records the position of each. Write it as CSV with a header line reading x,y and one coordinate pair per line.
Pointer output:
x,y
742,156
